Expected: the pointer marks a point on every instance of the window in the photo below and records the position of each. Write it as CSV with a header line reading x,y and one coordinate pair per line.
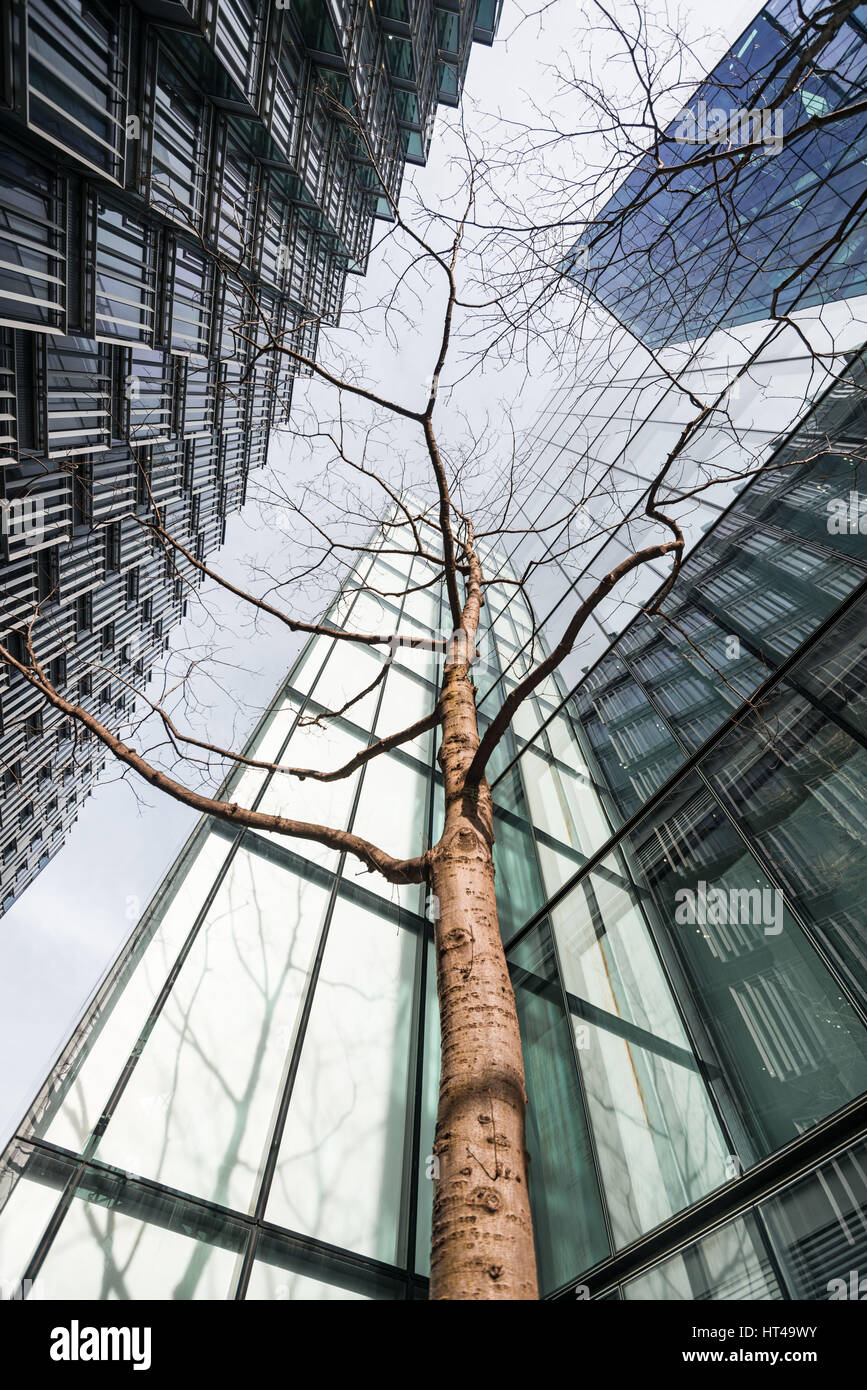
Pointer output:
x,y
200,399
77,80
78,398
32,246
112,546
125,276
179,148
191,310
288,103
237,40
149,388
17,646
12,777
239,189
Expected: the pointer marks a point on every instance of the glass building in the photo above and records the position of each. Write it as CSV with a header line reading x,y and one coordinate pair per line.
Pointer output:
x,y
246,1110
725,241
177,177
730,278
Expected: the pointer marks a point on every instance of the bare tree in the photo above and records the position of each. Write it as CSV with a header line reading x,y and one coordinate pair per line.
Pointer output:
x,y
455,490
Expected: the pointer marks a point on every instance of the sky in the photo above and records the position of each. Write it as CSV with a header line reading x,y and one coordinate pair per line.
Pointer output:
x,y
60,938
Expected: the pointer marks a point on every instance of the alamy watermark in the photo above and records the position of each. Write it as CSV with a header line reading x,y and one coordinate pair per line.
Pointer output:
x,y
847,516
706,905
716,126
23,518
77,1343
852,1287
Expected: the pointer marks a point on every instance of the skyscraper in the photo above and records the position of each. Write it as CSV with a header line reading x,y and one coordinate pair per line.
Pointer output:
x,y
161,164
247,1110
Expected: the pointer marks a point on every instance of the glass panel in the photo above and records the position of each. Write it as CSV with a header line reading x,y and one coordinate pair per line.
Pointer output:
x,y
636,752
151,410
404,701
77,389
125,277
568,1221
819,1229
318,803
349,671
693,669
32,240
728,1264
340,1167
793,772
197,1110
659,1140
237,41
392,813
429,1100
565,805
27,1202
112,1034
191,303
519,887
179,152
789,1049
122,1241
77,80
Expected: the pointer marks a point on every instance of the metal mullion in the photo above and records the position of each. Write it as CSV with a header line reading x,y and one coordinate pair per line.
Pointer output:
x,y
194,1204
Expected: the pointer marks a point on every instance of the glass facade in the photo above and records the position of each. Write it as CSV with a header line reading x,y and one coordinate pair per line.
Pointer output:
x,y
163,178
248,1109
661,254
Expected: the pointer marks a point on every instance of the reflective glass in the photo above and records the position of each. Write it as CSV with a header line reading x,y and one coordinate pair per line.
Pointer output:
x,y
794,770
340,1166
127,1242
730,1264
818,1227
115,1030
659,1138
197,1110
568,1220
788,1047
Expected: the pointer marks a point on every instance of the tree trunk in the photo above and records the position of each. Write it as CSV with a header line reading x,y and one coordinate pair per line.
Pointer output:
x,y
482,1244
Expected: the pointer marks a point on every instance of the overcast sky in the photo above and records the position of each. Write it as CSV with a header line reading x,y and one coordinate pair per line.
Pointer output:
x,y
61,936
